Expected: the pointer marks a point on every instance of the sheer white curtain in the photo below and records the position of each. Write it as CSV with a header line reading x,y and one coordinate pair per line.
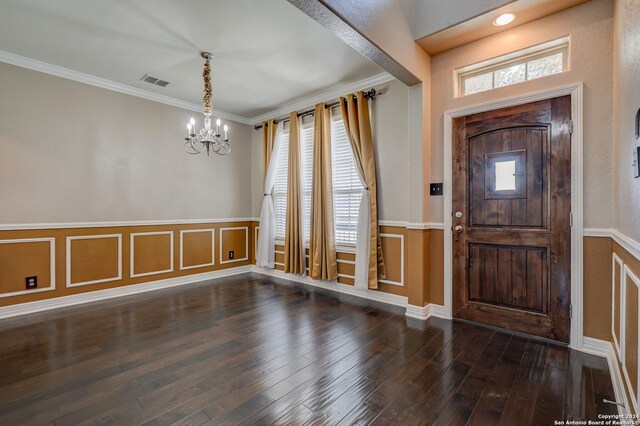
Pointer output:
x,y
363,239
265,255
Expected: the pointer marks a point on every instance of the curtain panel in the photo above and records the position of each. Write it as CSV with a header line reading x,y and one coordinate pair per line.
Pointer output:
x,y
294,250
369,258
268,139
271,139
322,243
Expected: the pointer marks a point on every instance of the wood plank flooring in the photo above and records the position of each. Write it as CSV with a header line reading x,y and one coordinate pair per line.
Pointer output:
x,y
256,350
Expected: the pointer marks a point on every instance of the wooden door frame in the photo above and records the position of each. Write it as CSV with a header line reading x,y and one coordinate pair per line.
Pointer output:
x,y
576,93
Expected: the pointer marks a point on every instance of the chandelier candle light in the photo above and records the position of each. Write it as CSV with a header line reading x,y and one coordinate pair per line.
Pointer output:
x,y
207,138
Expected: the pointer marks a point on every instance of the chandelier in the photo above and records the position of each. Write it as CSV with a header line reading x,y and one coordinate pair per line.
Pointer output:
x,y
207,139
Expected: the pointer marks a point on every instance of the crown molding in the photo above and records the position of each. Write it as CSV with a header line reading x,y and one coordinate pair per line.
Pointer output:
x,y
55,70
328,94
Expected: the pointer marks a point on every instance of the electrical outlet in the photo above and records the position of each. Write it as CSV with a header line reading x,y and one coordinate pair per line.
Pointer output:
x,y
435,188
232,254
31,282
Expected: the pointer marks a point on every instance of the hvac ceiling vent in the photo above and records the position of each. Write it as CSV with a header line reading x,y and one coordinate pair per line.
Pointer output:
x,y
152,80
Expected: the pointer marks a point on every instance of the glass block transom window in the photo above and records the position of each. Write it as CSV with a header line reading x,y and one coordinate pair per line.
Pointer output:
x,y
529,64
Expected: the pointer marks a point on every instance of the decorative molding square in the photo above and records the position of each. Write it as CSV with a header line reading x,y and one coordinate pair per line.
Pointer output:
x,y
70,260
213,248
52,264
132,238
246,244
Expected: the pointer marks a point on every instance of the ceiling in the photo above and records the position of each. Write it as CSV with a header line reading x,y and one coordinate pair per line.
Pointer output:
x,y
455,30
431,16
266,53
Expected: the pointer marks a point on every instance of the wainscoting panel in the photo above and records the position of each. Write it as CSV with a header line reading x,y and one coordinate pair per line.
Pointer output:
x,y
393,251
617,268
256,231
234,239
93,259
151,253
21,258
630,337
197,248
625,322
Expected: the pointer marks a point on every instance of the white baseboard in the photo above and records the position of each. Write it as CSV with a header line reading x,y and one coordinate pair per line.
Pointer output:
x,y
605,349
377,296
424,312
99,295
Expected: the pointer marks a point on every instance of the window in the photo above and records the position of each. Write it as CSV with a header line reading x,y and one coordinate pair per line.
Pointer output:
x,y
347,187
280,186
505,175
535,62
306,140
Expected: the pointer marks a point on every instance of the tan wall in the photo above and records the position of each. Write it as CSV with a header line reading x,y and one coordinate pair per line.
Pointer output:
x,y
590,27
597,287
626,101
77,153
100,258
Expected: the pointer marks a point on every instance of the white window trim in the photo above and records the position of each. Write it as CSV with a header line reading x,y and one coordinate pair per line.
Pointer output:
x,y
511,59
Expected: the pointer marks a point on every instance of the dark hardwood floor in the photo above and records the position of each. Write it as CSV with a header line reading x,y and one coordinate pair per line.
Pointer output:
x,y
255,350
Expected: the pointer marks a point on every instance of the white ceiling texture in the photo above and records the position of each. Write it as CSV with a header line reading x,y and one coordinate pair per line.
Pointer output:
x,y
266,52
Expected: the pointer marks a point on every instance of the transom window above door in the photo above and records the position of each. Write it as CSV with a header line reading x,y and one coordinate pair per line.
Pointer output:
x,y
528,64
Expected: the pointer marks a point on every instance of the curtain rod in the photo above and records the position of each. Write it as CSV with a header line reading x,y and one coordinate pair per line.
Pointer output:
x,y
369,94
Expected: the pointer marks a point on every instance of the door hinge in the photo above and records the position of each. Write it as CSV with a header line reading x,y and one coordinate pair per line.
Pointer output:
x,y
570,126
570,219
570,311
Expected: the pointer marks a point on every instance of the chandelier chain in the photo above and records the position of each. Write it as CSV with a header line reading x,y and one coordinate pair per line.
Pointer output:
x,y
206,100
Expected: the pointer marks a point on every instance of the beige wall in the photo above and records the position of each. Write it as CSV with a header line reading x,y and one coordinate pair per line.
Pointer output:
x,y
389,114
626,92
590,27
77,153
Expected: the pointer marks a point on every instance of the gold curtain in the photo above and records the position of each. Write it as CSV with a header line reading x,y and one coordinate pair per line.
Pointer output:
x,y
268,139
355,114
322,243
294,250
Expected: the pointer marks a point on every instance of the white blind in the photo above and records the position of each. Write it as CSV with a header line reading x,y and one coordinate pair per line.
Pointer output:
x,y
347,188
280,186
306,139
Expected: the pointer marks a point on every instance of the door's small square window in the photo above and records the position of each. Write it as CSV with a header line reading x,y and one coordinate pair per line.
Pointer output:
x,y
505,175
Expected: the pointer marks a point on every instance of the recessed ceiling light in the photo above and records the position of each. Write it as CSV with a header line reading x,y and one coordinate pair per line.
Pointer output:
x,y
504,19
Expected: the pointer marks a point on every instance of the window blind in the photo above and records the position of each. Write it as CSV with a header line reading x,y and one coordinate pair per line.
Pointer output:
x,y
306,139
347,187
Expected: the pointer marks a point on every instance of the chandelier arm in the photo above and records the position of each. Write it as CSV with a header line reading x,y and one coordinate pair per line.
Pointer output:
x,y
190,148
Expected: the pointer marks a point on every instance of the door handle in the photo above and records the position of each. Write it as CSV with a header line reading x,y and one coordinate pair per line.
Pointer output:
x,y
458,229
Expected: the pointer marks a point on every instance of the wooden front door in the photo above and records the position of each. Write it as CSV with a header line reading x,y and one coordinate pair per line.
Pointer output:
x,y
511,218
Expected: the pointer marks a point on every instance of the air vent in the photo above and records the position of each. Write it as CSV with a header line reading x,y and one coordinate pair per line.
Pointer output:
x,y
152,80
